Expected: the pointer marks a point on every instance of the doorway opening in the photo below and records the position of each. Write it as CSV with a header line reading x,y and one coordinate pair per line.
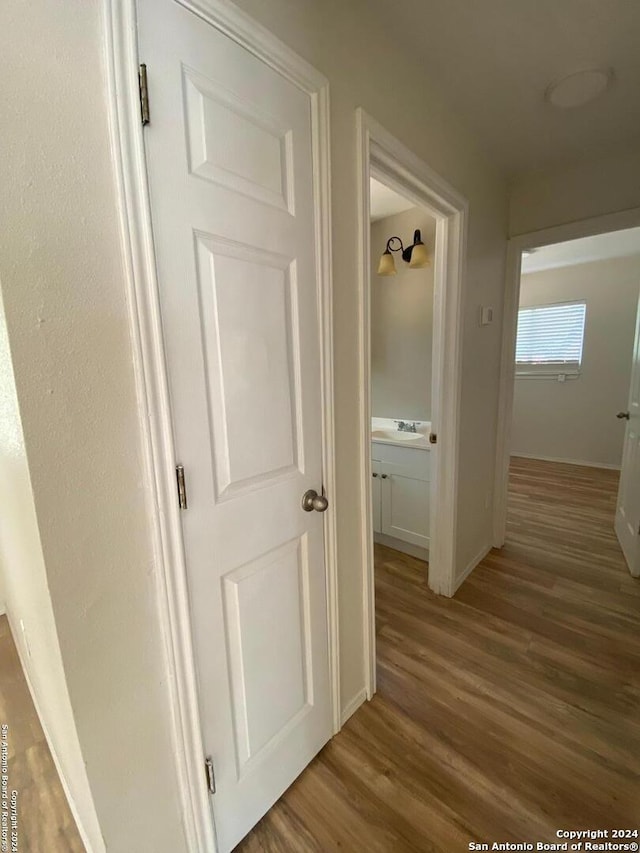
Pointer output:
x,y
413,503
571,435
401,334
401,366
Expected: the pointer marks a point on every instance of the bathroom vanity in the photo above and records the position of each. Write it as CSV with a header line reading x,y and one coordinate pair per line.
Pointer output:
x,y
401,471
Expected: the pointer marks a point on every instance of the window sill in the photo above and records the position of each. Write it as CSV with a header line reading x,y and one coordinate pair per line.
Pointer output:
x,y
557,375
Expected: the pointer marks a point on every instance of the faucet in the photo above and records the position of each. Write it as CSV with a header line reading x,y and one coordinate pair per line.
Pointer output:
x,y
403,426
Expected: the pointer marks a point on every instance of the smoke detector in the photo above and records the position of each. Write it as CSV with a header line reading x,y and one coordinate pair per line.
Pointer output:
x,y
579,88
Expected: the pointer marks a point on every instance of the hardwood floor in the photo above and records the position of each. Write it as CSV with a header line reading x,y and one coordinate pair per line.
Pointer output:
x,y
45,823
504,714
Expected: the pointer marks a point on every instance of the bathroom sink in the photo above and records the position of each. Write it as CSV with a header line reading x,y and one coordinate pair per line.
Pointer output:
x,y
396,435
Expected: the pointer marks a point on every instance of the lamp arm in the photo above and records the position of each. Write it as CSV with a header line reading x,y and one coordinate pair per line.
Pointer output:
x,y
390,248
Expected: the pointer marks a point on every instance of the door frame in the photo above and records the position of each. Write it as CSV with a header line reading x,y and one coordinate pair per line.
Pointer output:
x,y
515,246
380,154
127,144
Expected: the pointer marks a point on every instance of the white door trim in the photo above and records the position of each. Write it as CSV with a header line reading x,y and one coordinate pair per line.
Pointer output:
x,y
383,155
515,246
151,377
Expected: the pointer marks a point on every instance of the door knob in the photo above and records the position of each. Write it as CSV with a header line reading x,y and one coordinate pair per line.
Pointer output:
x,y
623,416
312,500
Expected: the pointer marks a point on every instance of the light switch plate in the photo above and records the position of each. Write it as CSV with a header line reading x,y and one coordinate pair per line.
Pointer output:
x,y
486,315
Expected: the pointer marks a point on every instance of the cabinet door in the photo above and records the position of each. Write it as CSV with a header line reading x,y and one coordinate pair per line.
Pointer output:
x,y
376,494
405,509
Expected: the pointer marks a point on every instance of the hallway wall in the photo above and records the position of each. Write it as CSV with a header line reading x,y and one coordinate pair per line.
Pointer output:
x,y
575,191
67,318
28,605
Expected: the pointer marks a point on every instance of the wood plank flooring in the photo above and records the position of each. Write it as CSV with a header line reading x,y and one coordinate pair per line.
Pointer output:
x,y
45,822
506,713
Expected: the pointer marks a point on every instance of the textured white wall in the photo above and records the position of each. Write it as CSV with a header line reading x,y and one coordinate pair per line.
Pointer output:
x,y
64,295
26,594
401,323
575,420
67,318
575,191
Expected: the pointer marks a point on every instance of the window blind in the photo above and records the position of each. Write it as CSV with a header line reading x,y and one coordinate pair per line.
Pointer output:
x,y
551,335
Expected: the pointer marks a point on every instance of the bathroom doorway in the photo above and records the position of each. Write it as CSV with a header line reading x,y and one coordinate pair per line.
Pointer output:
x,y
402,241
409,365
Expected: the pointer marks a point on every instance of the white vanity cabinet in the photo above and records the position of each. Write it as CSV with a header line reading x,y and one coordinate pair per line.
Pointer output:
x,y
401,486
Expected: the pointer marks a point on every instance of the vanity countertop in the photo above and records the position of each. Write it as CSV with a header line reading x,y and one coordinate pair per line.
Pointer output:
x,y
385,431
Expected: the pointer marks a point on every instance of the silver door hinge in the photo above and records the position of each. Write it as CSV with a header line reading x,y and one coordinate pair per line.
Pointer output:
x,y
211,776
182,488
144,94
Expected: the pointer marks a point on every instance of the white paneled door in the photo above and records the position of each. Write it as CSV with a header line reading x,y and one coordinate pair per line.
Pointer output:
x,y
229,157
628,511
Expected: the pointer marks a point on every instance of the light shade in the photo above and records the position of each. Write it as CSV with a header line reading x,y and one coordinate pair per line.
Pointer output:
x,y
387,265
419,256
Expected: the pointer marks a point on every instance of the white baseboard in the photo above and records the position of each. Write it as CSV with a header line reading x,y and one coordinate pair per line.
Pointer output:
x,y
582,462
3,609
352,706
400,545
65,787
479,557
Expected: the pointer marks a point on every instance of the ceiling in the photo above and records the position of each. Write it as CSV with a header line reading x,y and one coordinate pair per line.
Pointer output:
x,y
385,201
618,244
494,61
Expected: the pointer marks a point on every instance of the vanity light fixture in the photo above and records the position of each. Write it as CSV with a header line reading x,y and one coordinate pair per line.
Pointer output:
x,y
415,255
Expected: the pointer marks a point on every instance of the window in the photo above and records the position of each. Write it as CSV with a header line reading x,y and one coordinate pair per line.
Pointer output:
x,y
549,340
